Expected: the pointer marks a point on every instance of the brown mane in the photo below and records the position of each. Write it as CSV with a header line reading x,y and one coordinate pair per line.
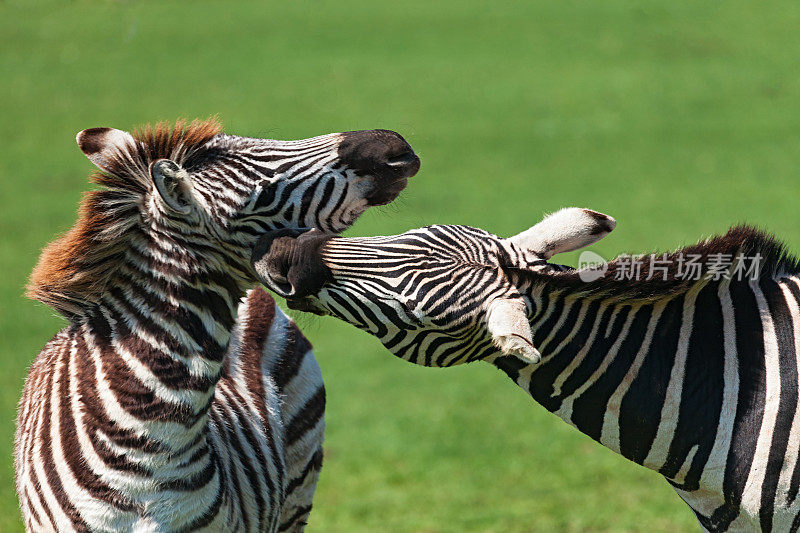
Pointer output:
x,y
747,240
77,266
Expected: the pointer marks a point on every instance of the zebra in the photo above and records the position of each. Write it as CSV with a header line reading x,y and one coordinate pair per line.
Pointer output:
x,y
695,377
177,399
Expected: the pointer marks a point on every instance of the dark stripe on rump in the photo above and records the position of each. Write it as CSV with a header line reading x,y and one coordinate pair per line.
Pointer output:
x,y
207,517
236,403
237,451
291,360
255,329
314,465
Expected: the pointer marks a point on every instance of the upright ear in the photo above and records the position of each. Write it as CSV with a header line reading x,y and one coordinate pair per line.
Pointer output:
x,y
507,321
173,185
103,145
569,229
289,262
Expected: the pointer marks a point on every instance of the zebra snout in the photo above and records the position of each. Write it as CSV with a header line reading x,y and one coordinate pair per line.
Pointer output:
x,y
382,155
289,263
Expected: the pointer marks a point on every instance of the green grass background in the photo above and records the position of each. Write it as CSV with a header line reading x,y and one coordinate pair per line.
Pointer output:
x,y
678,118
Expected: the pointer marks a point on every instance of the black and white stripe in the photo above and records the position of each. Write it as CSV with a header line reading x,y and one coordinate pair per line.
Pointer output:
x,y
696,379
174,400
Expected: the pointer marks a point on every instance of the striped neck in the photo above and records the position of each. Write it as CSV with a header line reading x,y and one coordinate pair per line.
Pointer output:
x,y
157,342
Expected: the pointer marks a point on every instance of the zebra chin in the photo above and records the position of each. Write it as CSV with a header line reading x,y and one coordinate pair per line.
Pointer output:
x,y
386,194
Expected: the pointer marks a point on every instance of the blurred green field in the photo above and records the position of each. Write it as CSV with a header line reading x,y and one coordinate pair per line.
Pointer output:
x,y
678,118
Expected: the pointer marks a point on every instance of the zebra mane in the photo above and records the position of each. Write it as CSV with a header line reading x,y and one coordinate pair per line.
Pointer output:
x,y
615,283
77,266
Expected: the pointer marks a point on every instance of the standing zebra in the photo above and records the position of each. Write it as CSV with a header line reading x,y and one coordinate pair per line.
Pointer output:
x,y
169,403
694,377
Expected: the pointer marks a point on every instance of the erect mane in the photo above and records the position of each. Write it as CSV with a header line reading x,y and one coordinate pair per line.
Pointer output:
x,y
650,284
77,266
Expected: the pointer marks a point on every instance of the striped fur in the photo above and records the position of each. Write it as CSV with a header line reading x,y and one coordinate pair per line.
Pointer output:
x,y
174,400
696,379
98,450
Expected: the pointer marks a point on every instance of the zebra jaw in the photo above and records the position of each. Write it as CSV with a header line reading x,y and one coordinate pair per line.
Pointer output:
x,y
507,321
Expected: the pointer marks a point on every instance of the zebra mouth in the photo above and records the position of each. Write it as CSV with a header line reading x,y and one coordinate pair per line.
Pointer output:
x,y
386,194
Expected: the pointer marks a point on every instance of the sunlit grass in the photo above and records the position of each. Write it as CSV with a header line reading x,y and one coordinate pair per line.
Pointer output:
x,y
678,118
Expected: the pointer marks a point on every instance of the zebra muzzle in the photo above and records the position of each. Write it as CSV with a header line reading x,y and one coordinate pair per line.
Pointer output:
x,y
288,262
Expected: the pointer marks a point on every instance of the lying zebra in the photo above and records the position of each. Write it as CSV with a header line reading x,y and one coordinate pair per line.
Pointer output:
x,y
695,377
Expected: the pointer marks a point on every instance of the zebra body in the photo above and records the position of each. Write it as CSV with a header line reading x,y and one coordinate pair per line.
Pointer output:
x,y
696,379
175,400
95,451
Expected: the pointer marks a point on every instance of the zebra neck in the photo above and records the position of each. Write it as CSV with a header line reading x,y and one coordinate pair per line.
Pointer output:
x,y
157,349
645,379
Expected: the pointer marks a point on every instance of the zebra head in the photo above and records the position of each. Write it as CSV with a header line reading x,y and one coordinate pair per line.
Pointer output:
x,y
195,200
244,186
435,296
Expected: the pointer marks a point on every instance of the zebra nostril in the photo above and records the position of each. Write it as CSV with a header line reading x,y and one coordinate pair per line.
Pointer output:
x,y
381,154
404,165
404,159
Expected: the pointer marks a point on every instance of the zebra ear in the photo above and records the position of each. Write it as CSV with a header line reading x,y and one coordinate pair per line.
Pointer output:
x,y
565,230
173,185
103,145
507,321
